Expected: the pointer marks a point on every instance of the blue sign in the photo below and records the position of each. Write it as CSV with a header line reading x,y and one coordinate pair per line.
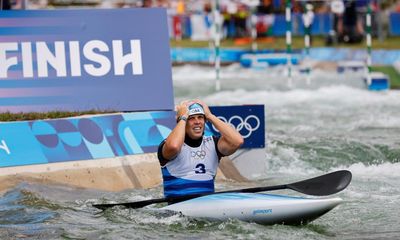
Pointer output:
x,y
91,59
394,19
249,120
71,139
109,136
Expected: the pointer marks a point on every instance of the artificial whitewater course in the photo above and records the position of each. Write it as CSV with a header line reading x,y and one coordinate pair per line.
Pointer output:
x,y
328,124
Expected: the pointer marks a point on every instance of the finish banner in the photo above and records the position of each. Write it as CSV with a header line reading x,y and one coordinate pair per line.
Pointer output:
x,y
87,59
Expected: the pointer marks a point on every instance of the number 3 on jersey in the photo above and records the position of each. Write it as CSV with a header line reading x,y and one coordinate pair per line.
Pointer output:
x,y
200,168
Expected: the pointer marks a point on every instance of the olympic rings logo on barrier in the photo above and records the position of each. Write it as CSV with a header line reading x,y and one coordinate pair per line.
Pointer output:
x,y
198,154
246,124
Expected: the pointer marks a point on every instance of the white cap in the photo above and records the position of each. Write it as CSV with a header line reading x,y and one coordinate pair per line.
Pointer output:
x,y
195,108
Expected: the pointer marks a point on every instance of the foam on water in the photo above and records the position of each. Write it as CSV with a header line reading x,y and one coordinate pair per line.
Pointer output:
x,y
384,170
143,216
340,95
236,77
286,160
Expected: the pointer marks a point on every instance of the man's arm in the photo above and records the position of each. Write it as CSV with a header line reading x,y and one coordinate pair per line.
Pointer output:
x,y
230,139
174,141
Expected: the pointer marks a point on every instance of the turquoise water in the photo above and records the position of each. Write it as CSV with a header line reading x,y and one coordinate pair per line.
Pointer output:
x,y
311,129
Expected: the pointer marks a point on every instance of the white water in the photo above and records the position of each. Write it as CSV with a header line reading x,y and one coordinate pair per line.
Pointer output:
x,y
333,123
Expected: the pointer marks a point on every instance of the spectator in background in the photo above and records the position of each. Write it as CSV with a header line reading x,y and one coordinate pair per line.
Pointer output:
x,y
265,7
229,10
265,18
147,3
180,7
163,3
297,7
241,20
337,8
5,5
350,26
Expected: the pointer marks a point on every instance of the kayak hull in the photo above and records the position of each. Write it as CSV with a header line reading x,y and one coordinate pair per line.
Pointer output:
x,y
260,208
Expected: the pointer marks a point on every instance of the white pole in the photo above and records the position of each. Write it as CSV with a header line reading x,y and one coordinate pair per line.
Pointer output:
x,y
289,41
217,62
253,20
307,20
369,44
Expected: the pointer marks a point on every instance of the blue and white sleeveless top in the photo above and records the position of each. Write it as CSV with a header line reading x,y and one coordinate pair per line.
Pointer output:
x,y
193,170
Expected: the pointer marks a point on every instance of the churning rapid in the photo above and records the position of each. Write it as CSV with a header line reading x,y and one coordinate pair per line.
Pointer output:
x,y
312,128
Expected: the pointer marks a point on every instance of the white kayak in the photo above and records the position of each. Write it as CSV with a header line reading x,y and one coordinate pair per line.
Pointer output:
x,y
256,207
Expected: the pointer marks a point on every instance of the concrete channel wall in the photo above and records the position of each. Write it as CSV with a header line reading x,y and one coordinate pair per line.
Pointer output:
x,y
110,174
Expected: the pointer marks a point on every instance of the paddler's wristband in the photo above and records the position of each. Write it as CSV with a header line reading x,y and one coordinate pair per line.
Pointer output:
x,y
181,118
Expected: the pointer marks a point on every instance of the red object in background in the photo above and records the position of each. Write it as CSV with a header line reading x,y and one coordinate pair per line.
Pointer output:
x,y
261,28
177,27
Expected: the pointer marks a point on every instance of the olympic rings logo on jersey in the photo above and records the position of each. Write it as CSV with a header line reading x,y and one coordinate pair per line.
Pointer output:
x,y
198,154
244,126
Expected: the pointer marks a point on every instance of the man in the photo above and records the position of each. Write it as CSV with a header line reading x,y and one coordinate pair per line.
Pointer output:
x,y
5,5
188,159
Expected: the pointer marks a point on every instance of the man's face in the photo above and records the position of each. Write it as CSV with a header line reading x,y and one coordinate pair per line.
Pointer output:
x,y
195,126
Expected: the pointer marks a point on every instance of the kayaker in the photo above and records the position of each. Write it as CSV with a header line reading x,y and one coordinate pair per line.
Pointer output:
x,y
188,159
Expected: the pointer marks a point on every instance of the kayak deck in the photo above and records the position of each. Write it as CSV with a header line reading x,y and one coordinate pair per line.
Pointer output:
x,y
256,207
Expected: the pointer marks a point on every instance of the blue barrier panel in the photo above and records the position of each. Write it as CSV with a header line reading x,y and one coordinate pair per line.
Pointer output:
x,y
322,24
383,57
394,26
378,82
76,60
205,55
249,120
191,54
379,85
108,136
60,140
279,26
